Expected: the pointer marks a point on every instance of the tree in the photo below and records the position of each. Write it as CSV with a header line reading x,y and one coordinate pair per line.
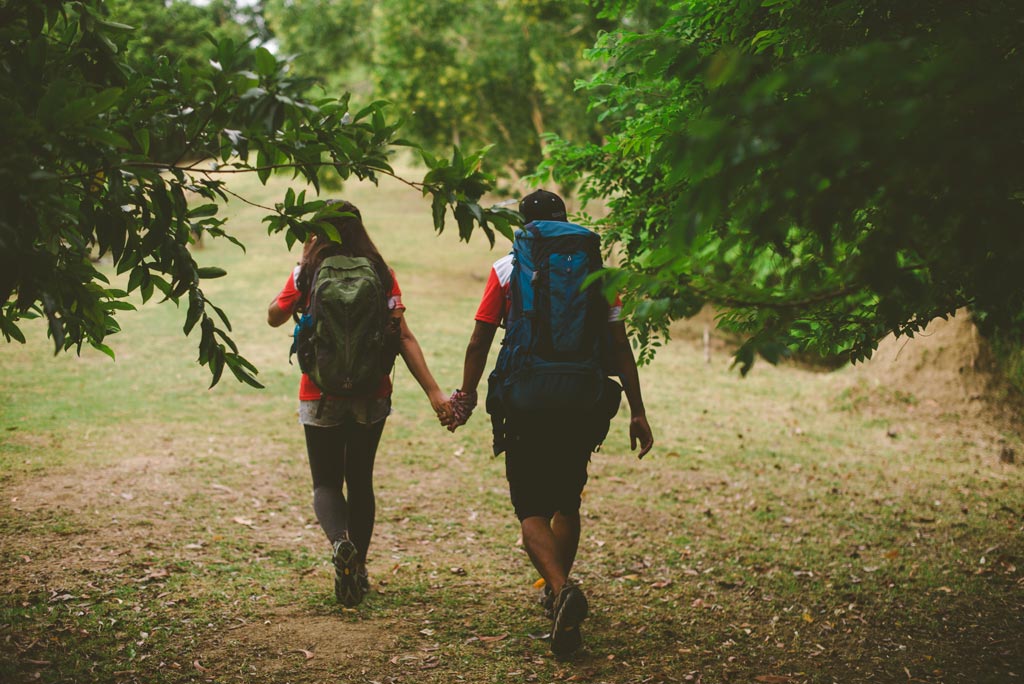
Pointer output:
x,y
823,173
109,156
177,29
487,73
332,40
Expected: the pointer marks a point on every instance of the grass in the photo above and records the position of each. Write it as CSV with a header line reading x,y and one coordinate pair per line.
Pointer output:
x,y
153,530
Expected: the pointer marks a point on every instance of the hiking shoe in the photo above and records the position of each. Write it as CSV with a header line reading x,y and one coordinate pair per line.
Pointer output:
x,y
347,588
547,602
571,609
363,579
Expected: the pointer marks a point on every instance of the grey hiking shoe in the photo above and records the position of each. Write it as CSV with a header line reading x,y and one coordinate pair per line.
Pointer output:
x,y
571,609
347,587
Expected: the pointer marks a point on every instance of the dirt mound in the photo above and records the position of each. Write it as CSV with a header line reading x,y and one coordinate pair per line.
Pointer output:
x,y
947,367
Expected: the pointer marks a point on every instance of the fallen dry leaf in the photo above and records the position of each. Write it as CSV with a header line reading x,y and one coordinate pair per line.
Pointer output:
x,y
489,639
773,679
195,664
243,521
309,654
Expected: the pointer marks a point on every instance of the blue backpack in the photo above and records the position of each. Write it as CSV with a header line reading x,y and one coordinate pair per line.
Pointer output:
x,y
551,359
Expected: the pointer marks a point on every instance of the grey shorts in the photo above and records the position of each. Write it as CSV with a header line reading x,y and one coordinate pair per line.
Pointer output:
x,y
341,411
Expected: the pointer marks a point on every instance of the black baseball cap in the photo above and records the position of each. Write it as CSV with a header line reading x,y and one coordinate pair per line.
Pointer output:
x,y
541,205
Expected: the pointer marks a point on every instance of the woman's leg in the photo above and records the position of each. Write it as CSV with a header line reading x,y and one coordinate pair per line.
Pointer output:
x,y
326,447
362,507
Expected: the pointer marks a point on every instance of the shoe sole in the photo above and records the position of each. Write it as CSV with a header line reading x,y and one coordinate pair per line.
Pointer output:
x,y
346,579
566,637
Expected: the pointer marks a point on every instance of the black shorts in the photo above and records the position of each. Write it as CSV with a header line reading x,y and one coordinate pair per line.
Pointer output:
x,y
546,467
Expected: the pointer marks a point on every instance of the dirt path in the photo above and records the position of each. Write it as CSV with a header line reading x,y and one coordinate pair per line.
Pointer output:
x,y
814,533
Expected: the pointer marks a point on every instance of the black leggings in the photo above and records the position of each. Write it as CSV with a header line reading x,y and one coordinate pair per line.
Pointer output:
x,y
342,456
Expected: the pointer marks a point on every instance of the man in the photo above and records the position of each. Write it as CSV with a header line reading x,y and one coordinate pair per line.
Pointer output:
x,y
546,454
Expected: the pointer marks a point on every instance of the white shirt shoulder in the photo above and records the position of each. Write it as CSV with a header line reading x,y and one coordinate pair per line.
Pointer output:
x,y
503,269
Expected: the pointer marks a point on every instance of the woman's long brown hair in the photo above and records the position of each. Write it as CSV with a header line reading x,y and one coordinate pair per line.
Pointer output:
x,y
355,242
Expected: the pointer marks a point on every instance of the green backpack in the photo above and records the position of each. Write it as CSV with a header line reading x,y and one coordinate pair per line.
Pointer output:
x,y
343,342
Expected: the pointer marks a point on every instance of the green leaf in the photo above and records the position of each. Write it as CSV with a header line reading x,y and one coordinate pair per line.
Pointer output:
x,y
438,207
210,272
266,63
203,211
104,348
105,136
142,137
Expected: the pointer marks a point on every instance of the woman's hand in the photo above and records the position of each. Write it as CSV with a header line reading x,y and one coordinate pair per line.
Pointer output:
x,y
442,408
307,247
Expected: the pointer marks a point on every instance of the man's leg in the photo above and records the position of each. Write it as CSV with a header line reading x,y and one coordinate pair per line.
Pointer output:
x,y
566,529
545,551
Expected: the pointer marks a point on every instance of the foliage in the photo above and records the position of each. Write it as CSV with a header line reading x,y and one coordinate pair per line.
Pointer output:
x,y
332,40
111,157
823,173
176,30
477,73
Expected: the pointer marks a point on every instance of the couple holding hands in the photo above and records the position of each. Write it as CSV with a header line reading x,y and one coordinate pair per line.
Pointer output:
x,y
546,458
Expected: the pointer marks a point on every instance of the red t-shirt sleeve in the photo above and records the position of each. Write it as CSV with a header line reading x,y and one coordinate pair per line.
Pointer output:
x,y
492,304
615,310
288,298
395,297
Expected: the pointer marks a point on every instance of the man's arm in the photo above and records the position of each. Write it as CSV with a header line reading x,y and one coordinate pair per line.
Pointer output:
x,y
476,355
639,429
463,400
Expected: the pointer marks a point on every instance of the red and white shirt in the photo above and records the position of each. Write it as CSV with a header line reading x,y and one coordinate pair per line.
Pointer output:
x,y
495,303
288,300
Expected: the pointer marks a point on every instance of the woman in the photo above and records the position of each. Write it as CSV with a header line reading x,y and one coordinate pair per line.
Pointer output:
x,y
342,434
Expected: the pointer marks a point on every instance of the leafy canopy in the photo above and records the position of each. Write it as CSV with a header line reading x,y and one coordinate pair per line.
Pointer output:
x,y
823,173
108,155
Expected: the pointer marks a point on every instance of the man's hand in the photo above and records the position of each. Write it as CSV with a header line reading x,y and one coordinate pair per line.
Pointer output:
x,y
640,431
462,405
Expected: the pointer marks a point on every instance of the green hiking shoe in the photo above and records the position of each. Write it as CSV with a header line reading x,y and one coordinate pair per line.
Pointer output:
x,y
571,609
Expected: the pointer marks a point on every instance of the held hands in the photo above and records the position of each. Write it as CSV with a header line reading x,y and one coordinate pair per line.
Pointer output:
x,y
640,432
462,405
442,407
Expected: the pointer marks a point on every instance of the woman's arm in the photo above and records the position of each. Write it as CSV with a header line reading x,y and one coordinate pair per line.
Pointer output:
x,y
276,316
411,353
